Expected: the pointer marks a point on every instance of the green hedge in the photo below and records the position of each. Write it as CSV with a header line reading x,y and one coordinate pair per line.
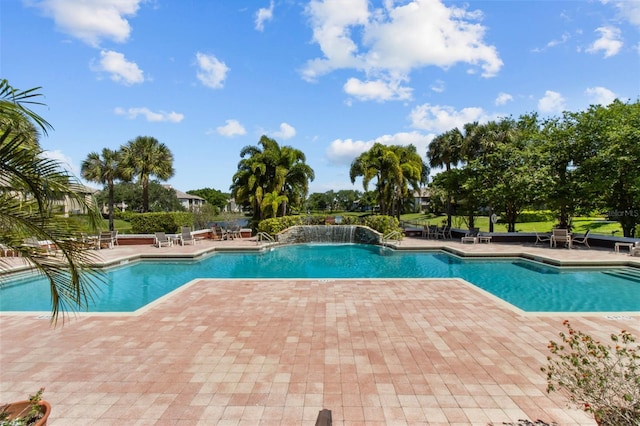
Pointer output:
x,y
537,216
148,223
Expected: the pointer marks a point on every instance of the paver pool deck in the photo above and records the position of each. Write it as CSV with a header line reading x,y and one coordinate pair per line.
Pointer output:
x,y
277,351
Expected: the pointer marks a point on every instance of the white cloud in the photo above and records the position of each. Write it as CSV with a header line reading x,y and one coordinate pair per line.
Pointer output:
x,y
503,98
628,10
609,42
552,102
344,151
438,86
120,70
439,119
263,15
231,128
600,95
377,90
65,161
211,71
160,116
286,131
394,40
92,21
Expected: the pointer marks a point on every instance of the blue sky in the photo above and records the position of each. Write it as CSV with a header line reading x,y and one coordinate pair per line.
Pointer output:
x,y
329,77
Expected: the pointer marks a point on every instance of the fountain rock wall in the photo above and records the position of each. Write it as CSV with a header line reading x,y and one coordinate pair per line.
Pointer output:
x,y
303,234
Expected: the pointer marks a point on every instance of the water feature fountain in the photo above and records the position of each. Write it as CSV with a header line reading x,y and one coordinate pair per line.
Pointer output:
x,y
329,234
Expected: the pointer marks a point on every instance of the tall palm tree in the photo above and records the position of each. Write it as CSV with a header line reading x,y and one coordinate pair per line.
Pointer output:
x,y
30,184
104,170
269,167
144,157
444,151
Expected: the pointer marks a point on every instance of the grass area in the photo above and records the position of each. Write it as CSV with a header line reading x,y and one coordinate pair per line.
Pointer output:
x,y
597,225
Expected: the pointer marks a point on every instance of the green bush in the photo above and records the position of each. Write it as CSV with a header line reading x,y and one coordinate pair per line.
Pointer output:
x,y
148,223
382,224
275,225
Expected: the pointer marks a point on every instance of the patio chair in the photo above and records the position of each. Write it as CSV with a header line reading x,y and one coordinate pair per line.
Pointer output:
x,y
162,240
582,240
635,250
444,232
106,238
561,236
219,233
186,237
542,238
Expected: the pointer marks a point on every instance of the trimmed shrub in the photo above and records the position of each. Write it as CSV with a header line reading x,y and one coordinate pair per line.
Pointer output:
x,y
148,223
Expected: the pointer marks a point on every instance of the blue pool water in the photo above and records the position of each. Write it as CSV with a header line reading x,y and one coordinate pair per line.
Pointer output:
x,y
530,286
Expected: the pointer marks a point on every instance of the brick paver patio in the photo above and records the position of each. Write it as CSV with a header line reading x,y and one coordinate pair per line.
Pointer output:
x,y
275,352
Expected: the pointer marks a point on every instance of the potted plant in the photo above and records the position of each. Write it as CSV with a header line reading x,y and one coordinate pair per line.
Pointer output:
x,y
599,379
32,412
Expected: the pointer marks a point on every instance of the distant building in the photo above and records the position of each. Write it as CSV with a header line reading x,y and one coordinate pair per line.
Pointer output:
x,y
422,199
190,202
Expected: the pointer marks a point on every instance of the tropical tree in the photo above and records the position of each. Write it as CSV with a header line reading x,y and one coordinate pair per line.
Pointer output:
x,y
30,186
557,143
609,145
271,201
143,158
105,170
269,167
395,168
444,151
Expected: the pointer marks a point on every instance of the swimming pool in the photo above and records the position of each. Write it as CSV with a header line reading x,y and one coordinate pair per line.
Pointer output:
x,y
530,286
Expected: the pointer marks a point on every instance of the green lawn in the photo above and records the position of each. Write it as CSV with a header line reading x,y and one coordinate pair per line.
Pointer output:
x,y
597,225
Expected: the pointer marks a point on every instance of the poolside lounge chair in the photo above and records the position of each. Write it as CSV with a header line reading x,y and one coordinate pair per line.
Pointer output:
x,y
44,246
542,238
162,240
561,236
186,237
582,240
635,250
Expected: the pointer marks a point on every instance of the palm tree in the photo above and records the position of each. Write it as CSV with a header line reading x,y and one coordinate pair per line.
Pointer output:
x,y
394,168
271,201
269,168
144,157
444,151
30,184
104,170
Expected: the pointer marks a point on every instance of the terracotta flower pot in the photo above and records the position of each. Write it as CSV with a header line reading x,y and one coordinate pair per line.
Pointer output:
x,y
22,408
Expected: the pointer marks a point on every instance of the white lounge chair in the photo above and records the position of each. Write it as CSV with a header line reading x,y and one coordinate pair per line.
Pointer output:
x,y
186,237
162,240
583,240
542,238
